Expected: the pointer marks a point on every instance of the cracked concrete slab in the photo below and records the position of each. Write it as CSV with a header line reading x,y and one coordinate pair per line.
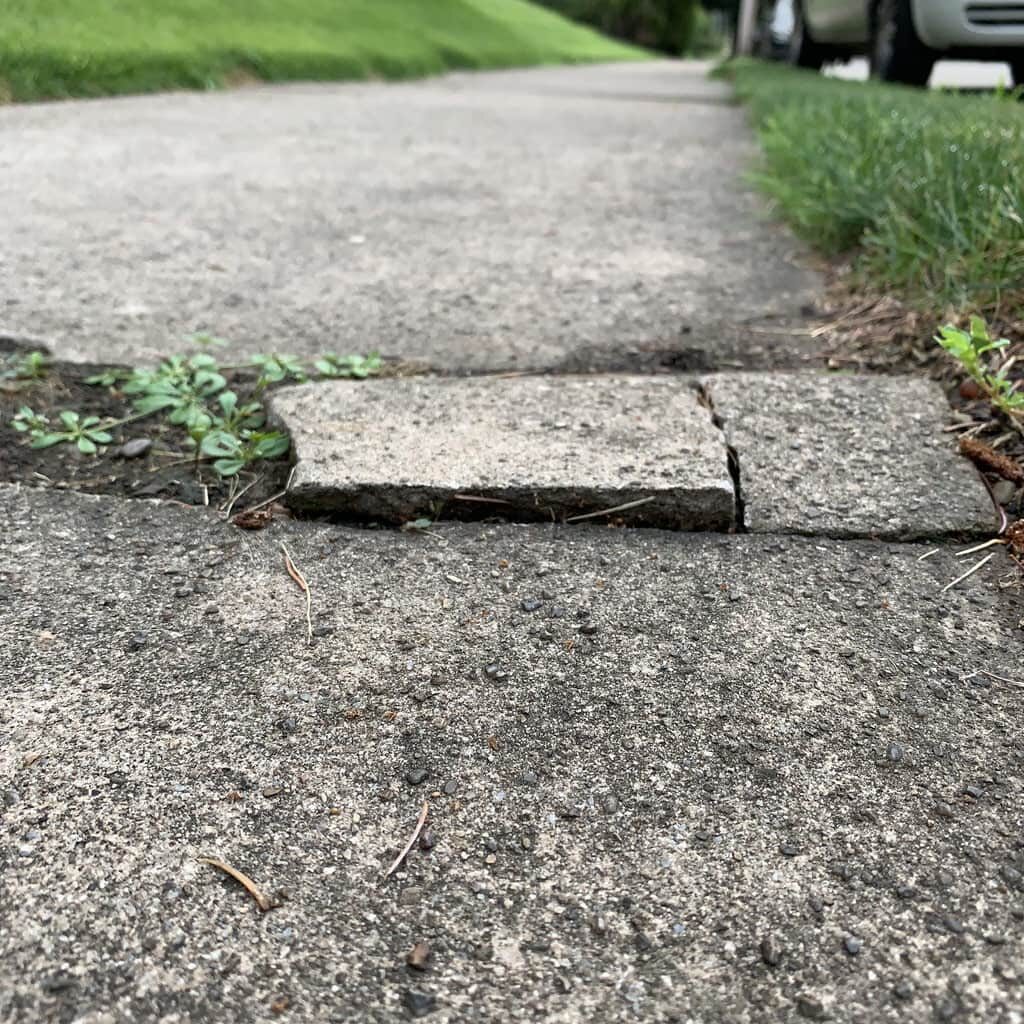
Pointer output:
x,y
673,777
507,221
848,456
522,447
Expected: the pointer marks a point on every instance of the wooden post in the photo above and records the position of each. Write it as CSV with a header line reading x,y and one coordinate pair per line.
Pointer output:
x,y
745,26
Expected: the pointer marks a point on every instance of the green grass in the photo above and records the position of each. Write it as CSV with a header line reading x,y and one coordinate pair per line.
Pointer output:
x,y
926,189
59,48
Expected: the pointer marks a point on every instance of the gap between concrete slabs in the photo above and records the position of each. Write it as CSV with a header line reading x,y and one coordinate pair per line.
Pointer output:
x,y
529,448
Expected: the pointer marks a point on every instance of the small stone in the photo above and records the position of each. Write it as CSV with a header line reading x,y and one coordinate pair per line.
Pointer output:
x,y
287,726
589,629
417,776
811,1008
853,945
954,925
323,630
771,950
11,797
894,753
410,897
527,778
946,1010
418,956
1003,491
1009,874
905,892
450,788
944,810
789,850
610,804
135,448
137,642
418,1004
530,604
974,792
903,991
427,839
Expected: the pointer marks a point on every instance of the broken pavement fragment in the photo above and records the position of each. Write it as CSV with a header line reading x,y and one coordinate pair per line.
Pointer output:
x,y
848,456
522,447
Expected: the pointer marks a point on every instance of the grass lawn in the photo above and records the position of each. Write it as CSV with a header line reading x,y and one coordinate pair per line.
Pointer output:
x,y
926,189
58,48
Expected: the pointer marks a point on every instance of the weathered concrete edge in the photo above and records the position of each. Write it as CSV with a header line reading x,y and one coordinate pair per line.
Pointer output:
x,y
711,509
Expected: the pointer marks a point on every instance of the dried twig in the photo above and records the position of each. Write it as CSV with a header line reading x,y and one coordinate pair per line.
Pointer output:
x,y
970,572
609,511
981,547
412,840
928,554
991,675
263,901
273,497
236,496
477,497
293,571
986,457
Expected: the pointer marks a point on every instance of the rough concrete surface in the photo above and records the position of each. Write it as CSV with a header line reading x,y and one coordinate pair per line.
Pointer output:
x,y
706,778
540,447
848,456
519,220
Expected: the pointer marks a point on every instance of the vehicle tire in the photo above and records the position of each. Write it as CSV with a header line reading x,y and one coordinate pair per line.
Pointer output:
x,y
1017,70
897,53
803,51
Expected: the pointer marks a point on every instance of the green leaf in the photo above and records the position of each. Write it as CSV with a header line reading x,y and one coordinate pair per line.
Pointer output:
x,y
153,403
86,447
228,467
270,447
99,436
48,440
69,419
220,443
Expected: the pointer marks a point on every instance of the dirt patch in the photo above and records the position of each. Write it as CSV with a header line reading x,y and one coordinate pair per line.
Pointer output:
x,y
166,469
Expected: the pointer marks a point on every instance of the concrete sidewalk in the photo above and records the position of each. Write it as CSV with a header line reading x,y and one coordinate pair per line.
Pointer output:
x,y
514,220
671,777
696,777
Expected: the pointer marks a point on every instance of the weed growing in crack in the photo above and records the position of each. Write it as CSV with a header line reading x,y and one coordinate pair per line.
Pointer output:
x,y
222,426
25,368
974,350
86,433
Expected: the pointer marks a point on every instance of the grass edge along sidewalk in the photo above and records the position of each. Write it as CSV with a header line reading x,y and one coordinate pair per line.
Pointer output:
x,y
923,189
65,48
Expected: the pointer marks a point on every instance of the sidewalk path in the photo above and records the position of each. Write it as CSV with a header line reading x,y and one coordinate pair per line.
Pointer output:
x,y
706,777
509,220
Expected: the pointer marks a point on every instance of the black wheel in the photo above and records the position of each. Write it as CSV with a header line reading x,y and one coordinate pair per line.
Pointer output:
x,y
1017,69
897,53
803,51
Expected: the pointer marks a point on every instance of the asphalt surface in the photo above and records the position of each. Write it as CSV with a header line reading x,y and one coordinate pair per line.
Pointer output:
x,y
513,220
671,777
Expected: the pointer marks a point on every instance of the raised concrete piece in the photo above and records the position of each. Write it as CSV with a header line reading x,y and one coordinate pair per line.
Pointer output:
x,y
847,456
543,448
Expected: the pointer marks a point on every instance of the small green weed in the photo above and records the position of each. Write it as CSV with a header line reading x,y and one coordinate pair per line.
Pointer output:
x,y
87,433
973,350
191,392
26,368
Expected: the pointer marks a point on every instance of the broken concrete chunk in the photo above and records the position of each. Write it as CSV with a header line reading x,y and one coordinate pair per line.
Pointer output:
x,y
847,456
524,448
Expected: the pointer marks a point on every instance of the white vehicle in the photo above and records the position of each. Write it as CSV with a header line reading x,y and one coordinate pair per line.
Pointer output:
x,y
902,38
